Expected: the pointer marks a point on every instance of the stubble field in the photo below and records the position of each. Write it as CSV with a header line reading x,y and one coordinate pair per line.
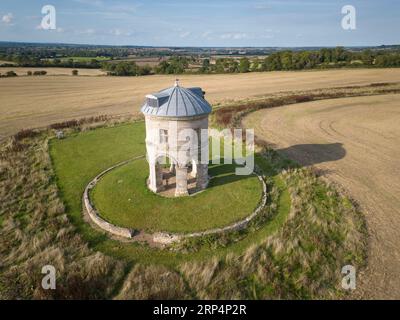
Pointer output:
x,y
28,102
313,230
22,71
355,143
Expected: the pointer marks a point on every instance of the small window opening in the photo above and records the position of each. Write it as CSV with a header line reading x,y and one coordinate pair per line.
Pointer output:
x,y
163,136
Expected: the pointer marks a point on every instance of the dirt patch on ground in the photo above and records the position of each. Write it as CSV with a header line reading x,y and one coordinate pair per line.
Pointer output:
x,y
354,142
29,102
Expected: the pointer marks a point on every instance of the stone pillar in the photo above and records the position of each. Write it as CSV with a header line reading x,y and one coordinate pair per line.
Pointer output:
x,y
202,176
194,169
152,182
181,182
159,178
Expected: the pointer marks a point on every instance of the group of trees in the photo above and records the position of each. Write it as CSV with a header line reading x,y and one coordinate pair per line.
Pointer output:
x,y
8,74
177,64
300,60
227,65
174,65
36,73
283,60
388,60
12,73
29,61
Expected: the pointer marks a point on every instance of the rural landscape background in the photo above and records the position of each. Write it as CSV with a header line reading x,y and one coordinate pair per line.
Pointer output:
x,y
326,119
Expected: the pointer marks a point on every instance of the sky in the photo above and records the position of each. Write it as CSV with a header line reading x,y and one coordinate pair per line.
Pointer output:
x,y
229,23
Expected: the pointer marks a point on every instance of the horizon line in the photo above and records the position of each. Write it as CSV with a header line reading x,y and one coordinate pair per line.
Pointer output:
x,y
210,47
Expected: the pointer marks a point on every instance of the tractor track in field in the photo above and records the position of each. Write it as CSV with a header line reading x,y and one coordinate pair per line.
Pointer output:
x,y
355,142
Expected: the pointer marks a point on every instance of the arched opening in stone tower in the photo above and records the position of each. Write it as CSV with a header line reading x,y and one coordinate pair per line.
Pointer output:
x,y
173,179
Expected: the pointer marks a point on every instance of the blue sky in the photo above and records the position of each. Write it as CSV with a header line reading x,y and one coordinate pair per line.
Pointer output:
x,y
203,22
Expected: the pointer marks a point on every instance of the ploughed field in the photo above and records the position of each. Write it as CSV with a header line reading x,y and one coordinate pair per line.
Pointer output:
x,y
354,142
29,102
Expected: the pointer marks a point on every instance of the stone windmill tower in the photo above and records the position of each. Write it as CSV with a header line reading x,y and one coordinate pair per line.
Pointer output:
x,y
177,130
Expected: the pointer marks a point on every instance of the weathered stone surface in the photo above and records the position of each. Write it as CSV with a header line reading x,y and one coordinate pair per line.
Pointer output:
x,y
115,230
202,176
181,182
182,141
165,238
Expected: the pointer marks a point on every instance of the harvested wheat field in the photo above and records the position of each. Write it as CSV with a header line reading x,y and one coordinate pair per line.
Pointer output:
x,y
29,102
354,142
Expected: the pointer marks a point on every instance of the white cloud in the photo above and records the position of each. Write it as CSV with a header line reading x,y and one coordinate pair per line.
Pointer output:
x,y
91,2
7,19
115,7
207,34
235,36
185,34
59,30
89,31
86,31
262,6
119,32
239,36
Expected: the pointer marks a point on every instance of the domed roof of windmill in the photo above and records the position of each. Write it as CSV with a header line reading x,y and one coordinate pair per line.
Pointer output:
x,y
176,102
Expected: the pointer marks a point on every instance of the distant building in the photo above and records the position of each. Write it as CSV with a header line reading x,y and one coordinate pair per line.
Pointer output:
x,y
171,114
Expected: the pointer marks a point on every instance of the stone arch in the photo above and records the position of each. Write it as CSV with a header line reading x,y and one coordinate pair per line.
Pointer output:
x,y
167,175
157,164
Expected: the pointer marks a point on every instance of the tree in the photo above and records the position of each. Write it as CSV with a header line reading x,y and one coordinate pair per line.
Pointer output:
x,y
339,54
244,65
273,62
40,73
367,57
145,70
232,65
175,65
11,74
286,60
205,66
255,66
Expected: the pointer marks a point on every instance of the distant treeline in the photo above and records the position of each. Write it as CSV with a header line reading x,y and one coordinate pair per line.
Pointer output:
x,y
28,61
178,64
174,65
125,68
301,60
12,73
279,61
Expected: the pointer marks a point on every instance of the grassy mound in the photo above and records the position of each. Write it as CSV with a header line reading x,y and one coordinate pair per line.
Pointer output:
x,y
122,198
307,234
82,156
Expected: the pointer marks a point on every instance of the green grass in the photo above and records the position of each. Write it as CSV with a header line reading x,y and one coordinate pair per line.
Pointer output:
x,y
79,158
123,198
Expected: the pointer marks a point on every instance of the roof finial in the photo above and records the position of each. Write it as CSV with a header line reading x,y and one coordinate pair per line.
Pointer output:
x,y
176,83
